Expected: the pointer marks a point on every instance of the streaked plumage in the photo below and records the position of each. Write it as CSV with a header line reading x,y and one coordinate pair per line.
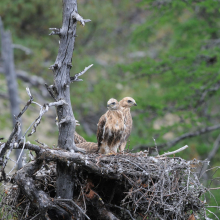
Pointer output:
x,y
89,147
78,139
126,103
110,128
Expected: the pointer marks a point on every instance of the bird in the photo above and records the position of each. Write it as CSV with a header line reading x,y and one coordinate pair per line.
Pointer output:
x,y
125,104
110,128
89,147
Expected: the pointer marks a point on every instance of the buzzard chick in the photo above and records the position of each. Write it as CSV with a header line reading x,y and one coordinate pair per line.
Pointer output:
x,y
126,103
110,128
89,147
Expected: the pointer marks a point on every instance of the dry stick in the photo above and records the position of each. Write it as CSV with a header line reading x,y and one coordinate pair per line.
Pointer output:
x,y
212,153
80,18
43,110
169,144
27,104
174,152
214,188
75,78
19,155
23,48
126,210
69,200
14,133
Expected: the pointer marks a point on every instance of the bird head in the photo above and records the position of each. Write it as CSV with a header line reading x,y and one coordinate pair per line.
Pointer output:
x,y
113,104
127,102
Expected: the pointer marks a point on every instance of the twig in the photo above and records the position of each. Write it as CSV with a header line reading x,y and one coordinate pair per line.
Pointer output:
x,y
25,49
122,209
174,152
55,31
214,188
43,110
27,104
14,134
80,18
213,214
69,200
212,153
35,216
75,78
169,144
50,90
19,155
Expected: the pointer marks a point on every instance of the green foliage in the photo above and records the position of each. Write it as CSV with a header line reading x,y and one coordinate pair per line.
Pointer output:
x,y
165,54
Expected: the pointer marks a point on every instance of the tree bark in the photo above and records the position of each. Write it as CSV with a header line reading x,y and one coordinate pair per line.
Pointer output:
x,y
61,70
9,70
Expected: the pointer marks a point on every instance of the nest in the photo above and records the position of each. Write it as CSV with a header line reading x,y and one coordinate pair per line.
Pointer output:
x,y
129,185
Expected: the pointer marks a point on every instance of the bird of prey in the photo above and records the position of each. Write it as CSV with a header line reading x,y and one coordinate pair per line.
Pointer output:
x,y
89,147
126,103
110,128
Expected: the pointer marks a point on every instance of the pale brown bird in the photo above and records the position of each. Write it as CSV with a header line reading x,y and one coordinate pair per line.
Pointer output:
x,y
126,103
89,147
110,128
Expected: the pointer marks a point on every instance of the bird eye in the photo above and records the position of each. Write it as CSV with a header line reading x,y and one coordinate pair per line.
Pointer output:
x,y
129,101
113,103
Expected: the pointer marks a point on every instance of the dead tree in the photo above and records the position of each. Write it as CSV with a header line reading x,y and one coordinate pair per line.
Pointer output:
x,y
9,70
68,183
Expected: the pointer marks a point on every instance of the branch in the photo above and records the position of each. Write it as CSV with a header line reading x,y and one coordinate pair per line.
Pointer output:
x,y
38,198
55,31
70,200
64,156
16,131
43,110
80,18
28,146
27,104
75,78
24,76
174,152
50,90
170,144
211,154
126,210
23,48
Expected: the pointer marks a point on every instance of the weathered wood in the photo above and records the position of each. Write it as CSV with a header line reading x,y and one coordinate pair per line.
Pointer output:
x,y
9,70
61,70
38,198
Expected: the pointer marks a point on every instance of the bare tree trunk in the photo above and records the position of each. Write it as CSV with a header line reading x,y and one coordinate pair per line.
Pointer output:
x,y
9,70
61,70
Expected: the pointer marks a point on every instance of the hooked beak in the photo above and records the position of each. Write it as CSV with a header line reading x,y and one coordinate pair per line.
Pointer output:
x,y
135,104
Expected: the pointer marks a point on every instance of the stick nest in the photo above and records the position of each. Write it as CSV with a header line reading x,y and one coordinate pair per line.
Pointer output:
x,y
129,185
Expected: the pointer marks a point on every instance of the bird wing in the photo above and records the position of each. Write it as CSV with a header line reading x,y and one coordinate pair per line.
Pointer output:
x,y
128,124
78,139
90,147
101,129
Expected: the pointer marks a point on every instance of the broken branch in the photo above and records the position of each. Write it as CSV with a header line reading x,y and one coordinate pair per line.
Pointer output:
x,y
174,152
80,18
75,78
